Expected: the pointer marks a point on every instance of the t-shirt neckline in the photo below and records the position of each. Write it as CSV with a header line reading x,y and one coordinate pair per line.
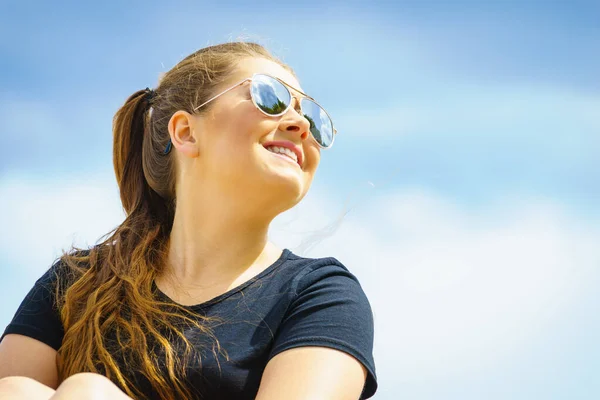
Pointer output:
x,y
162,296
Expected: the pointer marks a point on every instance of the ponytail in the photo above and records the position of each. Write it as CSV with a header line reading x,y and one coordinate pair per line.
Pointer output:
x,y
130,128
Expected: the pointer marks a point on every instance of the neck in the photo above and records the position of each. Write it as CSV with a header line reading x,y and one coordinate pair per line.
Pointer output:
x,y
211,244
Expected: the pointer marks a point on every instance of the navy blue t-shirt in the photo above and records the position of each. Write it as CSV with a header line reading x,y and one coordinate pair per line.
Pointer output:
x,y
295,302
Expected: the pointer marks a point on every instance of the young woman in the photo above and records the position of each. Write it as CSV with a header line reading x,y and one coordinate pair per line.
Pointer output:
x,y
188,298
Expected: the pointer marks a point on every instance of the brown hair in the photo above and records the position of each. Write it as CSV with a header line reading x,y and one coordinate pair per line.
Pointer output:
x,y
108,293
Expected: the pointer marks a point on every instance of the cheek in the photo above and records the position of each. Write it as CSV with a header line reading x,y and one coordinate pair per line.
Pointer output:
x,y
250,123
313,154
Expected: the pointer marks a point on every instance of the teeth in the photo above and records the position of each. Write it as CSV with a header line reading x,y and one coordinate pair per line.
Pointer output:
x,y
284,151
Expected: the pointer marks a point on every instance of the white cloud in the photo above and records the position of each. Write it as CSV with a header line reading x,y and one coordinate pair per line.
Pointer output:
x,y
457,290
45,216
449,285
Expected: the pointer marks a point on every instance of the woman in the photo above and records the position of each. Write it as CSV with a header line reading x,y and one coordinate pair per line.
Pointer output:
x,y
188,298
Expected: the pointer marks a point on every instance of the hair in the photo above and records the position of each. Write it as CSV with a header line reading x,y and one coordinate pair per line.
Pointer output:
x,y
109,291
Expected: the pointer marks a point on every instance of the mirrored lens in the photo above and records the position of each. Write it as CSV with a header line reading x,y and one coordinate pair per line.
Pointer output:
x,y
321,125
269,94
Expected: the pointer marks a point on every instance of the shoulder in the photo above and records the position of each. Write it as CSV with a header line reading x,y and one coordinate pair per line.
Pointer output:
x,y
65,268
324,271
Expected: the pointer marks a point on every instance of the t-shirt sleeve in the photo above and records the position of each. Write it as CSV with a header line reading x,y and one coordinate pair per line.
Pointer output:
x,y
37,316
330,309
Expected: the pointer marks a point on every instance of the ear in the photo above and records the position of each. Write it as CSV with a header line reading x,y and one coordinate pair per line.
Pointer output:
x,y
181,129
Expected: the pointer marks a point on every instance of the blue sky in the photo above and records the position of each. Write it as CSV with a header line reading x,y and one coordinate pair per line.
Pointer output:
x,y
479,70
470,123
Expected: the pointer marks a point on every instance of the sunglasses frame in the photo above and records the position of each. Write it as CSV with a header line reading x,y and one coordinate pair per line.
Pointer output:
x,y
288,87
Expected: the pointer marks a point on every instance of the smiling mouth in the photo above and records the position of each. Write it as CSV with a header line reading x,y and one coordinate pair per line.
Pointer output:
x,y
287,158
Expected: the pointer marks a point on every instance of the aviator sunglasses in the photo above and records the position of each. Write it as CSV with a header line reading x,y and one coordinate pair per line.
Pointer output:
x,y
273,98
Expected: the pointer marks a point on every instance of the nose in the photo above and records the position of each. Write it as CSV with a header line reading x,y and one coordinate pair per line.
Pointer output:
x,y
294,121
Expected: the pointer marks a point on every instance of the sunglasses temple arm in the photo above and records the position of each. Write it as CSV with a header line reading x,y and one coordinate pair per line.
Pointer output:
x,y
222,93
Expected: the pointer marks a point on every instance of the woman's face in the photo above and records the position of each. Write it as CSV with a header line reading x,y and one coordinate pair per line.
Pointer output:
x,y
230,140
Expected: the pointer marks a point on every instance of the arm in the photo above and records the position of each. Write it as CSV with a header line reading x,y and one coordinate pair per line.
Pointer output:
x,y
312,372
29,344
28,372
23,356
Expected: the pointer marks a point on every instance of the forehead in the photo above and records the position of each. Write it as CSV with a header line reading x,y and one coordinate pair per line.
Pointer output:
x,y
249,66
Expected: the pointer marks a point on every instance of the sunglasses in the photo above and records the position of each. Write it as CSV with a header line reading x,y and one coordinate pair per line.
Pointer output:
x,y
273,98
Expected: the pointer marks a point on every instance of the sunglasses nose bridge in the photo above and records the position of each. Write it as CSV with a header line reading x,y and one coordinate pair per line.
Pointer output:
x,y
294,118
296,105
